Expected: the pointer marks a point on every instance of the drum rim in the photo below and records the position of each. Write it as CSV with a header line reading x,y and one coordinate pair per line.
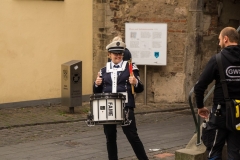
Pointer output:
x,y
109,122
108,96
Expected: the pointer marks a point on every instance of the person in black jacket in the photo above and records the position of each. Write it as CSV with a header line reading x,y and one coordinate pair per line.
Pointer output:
x,y
215,133
108,81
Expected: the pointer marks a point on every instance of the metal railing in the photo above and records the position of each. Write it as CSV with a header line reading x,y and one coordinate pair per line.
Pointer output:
x,y
197,120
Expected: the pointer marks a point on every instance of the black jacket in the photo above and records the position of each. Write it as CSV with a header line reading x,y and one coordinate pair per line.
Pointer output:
x,y
123,84
231,66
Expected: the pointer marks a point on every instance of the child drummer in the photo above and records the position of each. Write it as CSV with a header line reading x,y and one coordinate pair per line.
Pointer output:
x,y
125,79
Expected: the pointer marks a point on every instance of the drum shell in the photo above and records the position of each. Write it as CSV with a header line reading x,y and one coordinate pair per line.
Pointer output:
x,y
107,108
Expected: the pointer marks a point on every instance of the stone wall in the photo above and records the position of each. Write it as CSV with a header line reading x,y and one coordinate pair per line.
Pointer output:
x,y
193,28
164,83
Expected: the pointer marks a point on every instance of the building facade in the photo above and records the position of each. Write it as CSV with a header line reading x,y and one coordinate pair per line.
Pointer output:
x,y
37,36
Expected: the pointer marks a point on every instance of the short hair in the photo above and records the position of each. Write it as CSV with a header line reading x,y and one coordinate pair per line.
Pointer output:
x,y
231,33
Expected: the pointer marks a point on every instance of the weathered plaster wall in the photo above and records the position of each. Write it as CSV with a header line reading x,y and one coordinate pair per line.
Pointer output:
x,y
36,37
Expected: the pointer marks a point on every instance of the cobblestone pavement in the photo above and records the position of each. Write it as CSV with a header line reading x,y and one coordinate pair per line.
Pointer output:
x,y
26,116
16,135
47,123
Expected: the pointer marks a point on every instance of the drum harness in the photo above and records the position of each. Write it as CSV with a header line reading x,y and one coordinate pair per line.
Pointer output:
x,y
126,121
114,72
89,120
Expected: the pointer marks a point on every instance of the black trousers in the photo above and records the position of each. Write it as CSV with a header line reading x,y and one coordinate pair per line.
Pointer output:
x,y
130,131
214,137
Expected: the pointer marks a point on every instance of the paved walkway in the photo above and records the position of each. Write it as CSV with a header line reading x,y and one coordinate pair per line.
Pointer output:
x,y
15,117
52,133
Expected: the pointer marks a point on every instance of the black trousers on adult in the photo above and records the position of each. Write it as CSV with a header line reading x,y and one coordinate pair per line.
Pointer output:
x,y
130,131
215,135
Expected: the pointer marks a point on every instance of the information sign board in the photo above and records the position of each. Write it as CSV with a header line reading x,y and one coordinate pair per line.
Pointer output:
x,y
147,43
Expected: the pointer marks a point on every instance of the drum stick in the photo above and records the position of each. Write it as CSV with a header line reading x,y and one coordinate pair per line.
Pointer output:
x,y
131,73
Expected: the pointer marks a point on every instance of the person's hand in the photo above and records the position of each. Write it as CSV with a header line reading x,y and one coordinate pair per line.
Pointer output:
x,y
132,80
98,80
203,112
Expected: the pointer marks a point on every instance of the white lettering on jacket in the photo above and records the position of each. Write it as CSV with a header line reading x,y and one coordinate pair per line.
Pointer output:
x,y
233,71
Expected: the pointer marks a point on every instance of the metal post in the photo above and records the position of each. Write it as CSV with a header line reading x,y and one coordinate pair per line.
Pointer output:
x,y
145,84
71,109
198,133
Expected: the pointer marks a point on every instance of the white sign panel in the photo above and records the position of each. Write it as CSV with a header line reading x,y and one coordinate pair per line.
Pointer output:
x,y
147,42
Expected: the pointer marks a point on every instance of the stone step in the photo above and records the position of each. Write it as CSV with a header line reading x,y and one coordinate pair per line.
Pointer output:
x,y
195,152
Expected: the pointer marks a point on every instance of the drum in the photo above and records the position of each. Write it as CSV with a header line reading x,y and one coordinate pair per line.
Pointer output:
x,y
107,108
